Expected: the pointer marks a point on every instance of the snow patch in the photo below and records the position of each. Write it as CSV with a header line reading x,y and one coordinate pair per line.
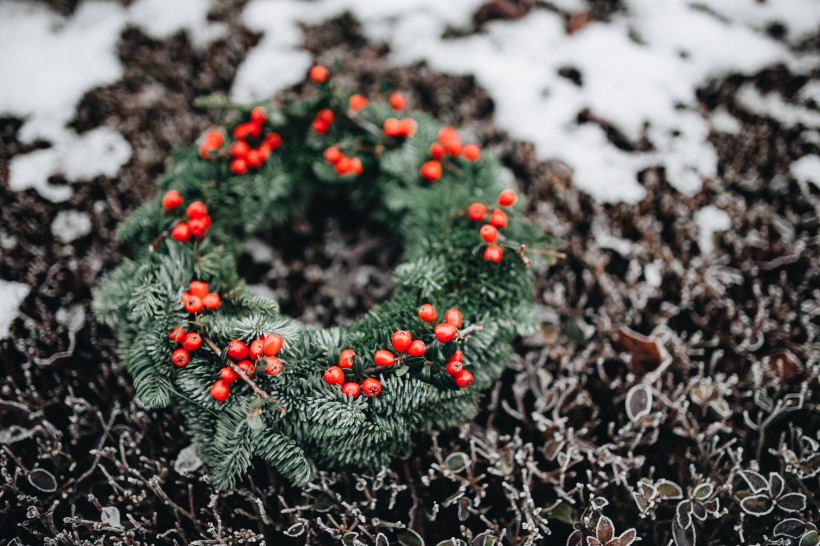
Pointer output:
x,y
70,225
772,105
12,295
807,169
48,62
710,220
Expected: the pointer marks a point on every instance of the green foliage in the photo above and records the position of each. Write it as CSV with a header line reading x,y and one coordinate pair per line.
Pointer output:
x,y
306,422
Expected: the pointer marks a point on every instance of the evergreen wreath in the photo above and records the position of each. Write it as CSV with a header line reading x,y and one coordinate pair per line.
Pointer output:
x,y
250,382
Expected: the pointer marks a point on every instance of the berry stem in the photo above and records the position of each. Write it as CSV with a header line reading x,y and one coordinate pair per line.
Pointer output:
x,y
218,352
468,331
452,168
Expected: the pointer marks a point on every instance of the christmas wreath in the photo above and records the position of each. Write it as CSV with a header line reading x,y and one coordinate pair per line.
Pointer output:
x,y
250,382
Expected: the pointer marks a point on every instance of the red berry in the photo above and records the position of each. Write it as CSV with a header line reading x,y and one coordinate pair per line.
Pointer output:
x,y
212,301
471,152
332,154
198,289
507,198
356,166
357,103
346,358
431,170
256,348
417,348
248,129
371,387
196,210
498,218
180,358
448,134
255,159
351,389
273,344
436,150
273,141
493,253
401,340
272,365
319,74
192,304
334,376
384,358
407,127
452,148
477,212
248,367
488,233
319,126
453,316
212,141
181,232
239,149
445,332
454,367
192,342
237,350
177,335
392,127
220,390
457,356
198,227
258,115
342,166
463,379
397,101
427,313
239,167
171,200
228,375
326,115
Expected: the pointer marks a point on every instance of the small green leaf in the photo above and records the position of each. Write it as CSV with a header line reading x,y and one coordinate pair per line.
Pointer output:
x,y
409,537
457,461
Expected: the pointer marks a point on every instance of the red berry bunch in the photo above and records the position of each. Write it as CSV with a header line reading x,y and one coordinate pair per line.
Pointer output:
x,y
190,342
477,212
197,298
447,330
455,367
323,120
448,144
342,164
198,222
261,353
243,155
212,141
335,375
399,128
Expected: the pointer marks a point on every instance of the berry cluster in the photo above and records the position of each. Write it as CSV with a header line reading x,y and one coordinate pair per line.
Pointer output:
x,y
399,128
197,298
323,120
335,375
446,332
261,354
198,222
243,156
190,342
342,164
448,144
477,212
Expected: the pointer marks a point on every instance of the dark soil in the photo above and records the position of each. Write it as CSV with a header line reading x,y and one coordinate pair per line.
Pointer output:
x,y
739,321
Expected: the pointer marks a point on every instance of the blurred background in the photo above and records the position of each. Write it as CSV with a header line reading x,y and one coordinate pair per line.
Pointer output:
x,y
674,146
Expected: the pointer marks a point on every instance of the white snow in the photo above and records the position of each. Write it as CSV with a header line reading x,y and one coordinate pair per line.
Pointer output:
x,y
773,106
710,220
70,225
48,62
640,70
807,169
12,295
